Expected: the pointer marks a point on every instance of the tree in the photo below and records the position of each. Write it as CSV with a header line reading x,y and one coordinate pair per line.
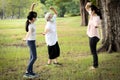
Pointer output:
x,y
84,14
61,9
2,8
14,8
58,3
63,6
73,10
112,22
43,1
104,28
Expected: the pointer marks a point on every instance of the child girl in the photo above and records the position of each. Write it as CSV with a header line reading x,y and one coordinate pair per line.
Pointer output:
x,y
51,37
92,31
30,39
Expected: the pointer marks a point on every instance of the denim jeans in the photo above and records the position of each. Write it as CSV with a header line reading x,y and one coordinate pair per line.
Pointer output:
x,y
33,55
93,44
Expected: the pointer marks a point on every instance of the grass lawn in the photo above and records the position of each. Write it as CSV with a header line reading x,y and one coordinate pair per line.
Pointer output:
x,y
75,54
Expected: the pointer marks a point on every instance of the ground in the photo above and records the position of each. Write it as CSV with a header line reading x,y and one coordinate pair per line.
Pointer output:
x,y
75,54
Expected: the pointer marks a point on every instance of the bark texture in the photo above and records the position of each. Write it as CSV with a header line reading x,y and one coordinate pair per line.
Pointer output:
x,y
111,20
84,13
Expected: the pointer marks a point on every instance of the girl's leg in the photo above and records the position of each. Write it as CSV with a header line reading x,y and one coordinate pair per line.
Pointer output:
x,y
93,44
33,56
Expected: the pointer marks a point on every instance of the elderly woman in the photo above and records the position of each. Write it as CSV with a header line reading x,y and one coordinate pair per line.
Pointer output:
x,y
51,37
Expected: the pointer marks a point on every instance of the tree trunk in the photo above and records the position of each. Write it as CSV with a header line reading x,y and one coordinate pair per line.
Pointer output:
x,y
2,14
62,11
3,9
112,22
84,14
103,26
13,14
19,11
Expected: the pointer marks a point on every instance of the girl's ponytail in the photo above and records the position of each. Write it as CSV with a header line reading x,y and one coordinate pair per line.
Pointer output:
x,y
97,11
30,16
27,24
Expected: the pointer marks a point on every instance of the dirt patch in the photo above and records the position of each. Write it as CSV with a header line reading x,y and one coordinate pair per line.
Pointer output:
x,y
21,45
16,45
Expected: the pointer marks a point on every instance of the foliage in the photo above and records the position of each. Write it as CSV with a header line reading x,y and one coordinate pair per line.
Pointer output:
x,y
63,6
18,8
10,9
73,10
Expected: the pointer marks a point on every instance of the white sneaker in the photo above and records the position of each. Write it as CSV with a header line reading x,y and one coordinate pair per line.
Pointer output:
x,y
92,68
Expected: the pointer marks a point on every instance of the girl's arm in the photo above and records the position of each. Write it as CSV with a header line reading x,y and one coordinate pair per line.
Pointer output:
x,y
32,7
87,7
27,35
54,10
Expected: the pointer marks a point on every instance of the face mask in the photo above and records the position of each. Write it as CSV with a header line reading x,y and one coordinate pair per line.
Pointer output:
x,y
90,12
52,19
36,18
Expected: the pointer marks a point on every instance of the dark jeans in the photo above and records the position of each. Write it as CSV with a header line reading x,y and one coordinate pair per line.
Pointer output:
x,y
93,44
33,55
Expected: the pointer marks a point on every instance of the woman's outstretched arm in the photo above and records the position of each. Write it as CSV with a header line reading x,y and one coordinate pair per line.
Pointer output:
x,y
87,7
32,7
54,10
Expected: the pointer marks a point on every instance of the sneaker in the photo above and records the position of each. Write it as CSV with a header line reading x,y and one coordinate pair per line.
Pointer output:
x,y
34,74
30,75
26,75
92,68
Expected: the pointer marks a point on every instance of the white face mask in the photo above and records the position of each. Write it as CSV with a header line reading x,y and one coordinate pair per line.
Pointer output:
x,y
36,18
52,19
90,12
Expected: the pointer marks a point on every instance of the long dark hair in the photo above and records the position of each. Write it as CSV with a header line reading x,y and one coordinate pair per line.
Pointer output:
x,y
30,16
97,11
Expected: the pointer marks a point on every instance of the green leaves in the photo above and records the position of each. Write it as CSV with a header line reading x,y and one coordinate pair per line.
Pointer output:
x,y
63,6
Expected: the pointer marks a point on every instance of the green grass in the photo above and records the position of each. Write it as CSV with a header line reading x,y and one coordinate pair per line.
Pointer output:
x,y
75,53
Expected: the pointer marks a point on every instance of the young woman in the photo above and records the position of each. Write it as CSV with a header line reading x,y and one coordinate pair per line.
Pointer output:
x,y
92,30
30,38
51,37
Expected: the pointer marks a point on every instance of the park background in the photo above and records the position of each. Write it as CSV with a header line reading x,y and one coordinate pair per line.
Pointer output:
x,y
75,53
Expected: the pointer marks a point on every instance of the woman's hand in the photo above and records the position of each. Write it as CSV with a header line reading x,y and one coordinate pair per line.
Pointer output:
x,y
87,7
24,39
42,33
89,3
51,8
54,10
32,6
